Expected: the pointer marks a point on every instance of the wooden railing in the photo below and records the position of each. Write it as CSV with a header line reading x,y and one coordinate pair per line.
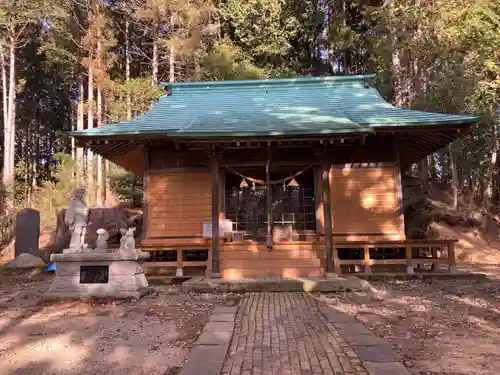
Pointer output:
x,y
436,247
180,263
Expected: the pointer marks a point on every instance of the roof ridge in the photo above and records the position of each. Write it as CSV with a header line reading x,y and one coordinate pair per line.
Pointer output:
x,y
280,81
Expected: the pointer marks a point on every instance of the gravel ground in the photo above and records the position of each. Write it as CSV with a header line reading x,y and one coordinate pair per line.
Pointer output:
x,y
149,336
440,327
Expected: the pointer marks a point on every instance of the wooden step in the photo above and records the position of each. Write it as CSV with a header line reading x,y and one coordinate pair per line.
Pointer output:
x,y
270,263
259,247
274,254
241,273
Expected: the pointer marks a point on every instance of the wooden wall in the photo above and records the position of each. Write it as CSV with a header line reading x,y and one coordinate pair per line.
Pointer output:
x,y
177,203
293,259
366,201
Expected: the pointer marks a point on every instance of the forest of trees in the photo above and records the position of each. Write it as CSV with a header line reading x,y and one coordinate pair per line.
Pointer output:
x,y
75,64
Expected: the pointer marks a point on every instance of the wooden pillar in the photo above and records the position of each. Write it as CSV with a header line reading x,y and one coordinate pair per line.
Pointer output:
x,y
452,265
269,202
435,255
179,271
145,197
399,187
215,216
367,262
327,213
409,262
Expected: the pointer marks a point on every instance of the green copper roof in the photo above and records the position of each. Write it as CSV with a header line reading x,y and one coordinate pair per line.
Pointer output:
x,y
296,106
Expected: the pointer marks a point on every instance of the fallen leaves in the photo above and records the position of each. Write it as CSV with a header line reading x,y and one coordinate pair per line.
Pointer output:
x,y
438,326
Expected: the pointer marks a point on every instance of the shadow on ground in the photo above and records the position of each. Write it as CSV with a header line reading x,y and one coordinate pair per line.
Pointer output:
x,y
438,326
149,336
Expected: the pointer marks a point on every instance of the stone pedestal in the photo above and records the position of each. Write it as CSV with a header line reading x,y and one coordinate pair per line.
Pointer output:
x,y
99,274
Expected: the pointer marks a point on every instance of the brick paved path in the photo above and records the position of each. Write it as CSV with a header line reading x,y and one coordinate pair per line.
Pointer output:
x,y
285,333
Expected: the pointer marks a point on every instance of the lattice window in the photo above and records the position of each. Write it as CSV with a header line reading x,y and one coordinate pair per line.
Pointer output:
x,y
293,207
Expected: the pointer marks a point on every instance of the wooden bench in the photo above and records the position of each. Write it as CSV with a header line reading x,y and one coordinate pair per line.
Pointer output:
x,y
436,248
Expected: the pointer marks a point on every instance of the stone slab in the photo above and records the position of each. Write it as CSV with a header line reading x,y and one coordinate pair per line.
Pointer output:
x,y
99,256
77,294
349,329
376,353
340,284
219,327
205,360
335,316
386,368
214,338
363,340
225,310
222,317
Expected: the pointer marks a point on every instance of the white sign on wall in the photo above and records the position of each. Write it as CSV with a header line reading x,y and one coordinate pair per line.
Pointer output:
x,y
225,226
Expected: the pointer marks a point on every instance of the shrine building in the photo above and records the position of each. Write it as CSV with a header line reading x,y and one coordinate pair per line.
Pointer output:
x,y
289,178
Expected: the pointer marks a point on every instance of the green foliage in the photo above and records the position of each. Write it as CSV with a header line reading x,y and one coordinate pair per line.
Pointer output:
x,y
448,52
142,94
259,26
55,193
125,185
228,62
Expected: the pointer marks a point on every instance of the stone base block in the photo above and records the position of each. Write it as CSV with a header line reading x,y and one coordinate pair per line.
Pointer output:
x,y
121,275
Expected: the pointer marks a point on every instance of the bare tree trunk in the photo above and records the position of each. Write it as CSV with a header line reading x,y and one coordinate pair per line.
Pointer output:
x,y
4,86
171,76
73,127
472,190
90,125
6,122
171,61
35,158
28,161
396,70
488,199
154,81
197,67
127,69
25,157
79,126
101,189
9,123
454,177
12,106
100,163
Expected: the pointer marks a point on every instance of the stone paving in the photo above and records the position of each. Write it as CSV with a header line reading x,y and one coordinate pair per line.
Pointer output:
x,y
288,334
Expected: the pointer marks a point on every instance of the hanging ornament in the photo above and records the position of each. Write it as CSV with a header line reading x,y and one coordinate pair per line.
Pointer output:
x,y
243,184
294,186
293,183
234,197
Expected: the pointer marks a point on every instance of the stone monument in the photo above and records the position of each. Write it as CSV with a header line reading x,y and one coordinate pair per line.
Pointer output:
x,y
87,272
27,232
76,218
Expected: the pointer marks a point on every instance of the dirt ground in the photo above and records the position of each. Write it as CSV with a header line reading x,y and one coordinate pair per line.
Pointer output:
x,y
439,327
149,336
